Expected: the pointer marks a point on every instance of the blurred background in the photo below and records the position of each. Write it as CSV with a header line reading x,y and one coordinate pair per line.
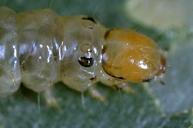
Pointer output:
x,y
169,23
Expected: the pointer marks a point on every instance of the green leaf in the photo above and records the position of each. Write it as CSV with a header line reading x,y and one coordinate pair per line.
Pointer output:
x,y
152,106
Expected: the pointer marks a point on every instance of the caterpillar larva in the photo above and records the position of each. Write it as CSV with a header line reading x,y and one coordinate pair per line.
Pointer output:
x,y
40,48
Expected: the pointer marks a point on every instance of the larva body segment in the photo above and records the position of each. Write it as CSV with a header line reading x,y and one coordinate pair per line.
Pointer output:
x,y
10,75
35,35
48,47
40,48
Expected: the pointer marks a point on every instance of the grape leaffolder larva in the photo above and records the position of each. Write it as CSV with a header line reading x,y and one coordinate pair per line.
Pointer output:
x,y
40,48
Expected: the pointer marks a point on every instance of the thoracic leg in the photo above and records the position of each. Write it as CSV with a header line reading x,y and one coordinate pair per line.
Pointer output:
x,y
50,99
96,94
125,87
82,86
118,84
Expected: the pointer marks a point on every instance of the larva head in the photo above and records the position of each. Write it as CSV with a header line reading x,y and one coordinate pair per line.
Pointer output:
x,y
131,56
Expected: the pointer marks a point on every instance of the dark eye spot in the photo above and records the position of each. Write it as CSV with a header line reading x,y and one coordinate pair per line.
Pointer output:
x,y
89,18
86,62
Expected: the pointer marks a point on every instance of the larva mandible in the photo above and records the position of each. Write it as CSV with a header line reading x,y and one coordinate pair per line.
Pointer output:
x,y
40,48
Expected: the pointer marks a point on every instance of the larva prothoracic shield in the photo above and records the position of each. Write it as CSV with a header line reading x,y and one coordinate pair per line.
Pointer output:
x,y
40,48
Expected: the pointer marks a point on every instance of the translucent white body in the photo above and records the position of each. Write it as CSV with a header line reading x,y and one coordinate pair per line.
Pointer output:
x,y
40,48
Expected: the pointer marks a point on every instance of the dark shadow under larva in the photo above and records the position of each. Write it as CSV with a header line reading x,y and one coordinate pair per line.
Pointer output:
x,y
40,47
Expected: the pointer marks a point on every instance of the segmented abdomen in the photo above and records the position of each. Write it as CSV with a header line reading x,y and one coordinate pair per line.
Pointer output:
x,y
28,49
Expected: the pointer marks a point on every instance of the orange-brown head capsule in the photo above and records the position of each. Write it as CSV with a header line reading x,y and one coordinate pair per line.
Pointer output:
x,y
131,56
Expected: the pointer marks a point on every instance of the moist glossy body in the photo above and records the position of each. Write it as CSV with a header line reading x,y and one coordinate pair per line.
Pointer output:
x,y
40,48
